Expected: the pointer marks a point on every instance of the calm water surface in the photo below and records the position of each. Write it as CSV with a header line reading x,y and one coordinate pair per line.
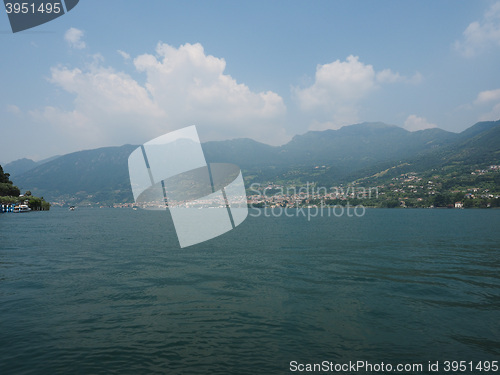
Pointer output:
x,y
108,291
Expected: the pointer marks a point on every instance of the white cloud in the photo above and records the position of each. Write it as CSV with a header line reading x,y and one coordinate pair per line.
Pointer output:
x,y
488,96
74,38
192,88
109,107
415,123
488,101
339,81
334,97
123,54
105,90
481,35
184,86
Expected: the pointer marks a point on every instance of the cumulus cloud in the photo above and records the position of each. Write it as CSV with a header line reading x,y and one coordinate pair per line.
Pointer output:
x,y
488,101
334,97
415,123
74,38
183,86
109,106
339,80
481,35
192,87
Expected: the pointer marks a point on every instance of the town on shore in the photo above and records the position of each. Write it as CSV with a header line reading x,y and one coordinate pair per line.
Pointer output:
x,y
409,190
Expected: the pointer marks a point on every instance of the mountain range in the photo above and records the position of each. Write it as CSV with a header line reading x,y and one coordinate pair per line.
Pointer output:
x,y
20,166
327,157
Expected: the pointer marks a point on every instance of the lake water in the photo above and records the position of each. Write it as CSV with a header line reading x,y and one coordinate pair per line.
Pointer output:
x,y
109,291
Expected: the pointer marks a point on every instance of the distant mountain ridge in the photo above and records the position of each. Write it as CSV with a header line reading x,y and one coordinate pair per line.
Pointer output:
x,y
342,155
92,175
20,166
359,143
478,145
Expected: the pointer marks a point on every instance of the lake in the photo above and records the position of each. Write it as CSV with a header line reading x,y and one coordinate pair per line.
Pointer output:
x,y
109,291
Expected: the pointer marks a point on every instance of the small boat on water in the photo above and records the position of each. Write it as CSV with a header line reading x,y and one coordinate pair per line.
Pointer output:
x,y
72,208
22,208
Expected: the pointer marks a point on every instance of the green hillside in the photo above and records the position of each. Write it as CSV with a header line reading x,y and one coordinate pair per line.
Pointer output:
x,y
470,167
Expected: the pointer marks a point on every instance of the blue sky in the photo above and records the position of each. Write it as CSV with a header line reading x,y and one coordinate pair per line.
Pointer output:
x,y
114,72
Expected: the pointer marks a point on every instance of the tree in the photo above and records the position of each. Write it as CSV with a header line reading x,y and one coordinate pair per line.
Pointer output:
x,y
4,177
6,186
442,200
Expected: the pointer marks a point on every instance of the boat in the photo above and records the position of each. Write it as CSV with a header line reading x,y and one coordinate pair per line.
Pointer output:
x,y
72,208
22,208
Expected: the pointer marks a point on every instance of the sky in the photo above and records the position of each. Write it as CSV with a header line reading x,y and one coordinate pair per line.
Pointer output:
x,y
118,72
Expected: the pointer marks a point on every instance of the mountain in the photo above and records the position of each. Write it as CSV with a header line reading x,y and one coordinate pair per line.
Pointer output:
x,y
344,152
479,144
99,175
20,166
475,147
243,152
350,147
478,128
328,157
356,146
